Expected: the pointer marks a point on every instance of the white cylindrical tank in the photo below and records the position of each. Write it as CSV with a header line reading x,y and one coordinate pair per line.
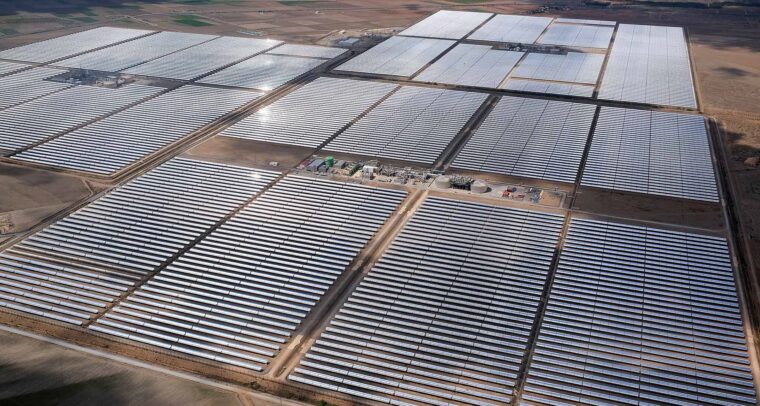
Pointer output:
x,y
443,182
479,187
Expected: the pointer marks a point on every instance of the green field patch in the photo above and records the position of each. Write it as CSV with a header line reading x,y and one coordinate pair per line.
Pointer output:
x,y
191,20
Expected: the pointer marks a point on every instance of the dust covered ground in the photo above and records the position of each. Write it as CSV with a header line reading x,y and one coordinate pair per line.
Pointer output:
x,y
37,373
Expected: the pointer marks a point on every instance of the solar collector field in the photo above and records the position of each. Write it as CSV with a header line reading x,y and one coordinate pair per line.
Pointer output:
x,y
8,67
531,138
27,85
640,315
397,56
311,114
263,72
72,44
199,60
586,22
447,24
111,144
444,316
579,36
649,64
542,86
307,51
471,65
237,296
653,152
511,29
414,124
73,268
23,125
135,52
571,67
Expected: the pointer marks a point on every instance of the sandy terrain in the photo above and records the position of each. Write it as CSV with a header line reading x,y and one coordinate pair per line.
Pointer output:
x,y
33,372
237,151
33,194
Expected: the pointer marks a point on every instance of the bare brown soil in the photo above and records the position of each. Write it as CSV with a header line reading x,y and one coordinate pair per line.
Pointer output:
x,y
34,372
687,213
30,195
254,154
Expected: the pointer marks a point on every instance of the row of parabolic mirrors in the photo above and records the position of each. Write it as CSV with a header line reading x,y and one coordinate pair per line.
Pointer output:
x,y
223,264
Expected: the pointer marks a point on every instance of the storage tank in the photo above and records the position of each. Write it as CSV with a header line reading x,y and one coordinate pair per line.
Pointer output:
x,y
443,182
479,187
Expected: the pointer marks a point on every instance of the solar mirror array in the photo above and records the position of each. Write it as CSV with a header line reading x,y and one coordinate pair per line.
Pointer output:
x,y
40,119
10,67
85,128
641,315
117,141
307,51
225,263
447,24
263,72
131,53
572,67
537,86
311,114
444,316
564,56
413,124
649,64
70,45
652,152
20,87
530,137
511,29
397,56
471,65
75,267
237,295
575,35
202,59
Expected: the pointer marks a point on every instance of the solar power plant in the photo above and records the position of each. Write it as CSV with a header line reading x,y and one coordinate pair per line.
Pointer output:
x,y
26,85
641,315
581,36
539,86
312,114
264,72
135,52
572,67
649,64
471,65
308,51
70,45
447,24
445,315
414,124
653,152
202,59
74,268
511,29
119,140
8,67
582,21
397,56
29,123
532,138
238,295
